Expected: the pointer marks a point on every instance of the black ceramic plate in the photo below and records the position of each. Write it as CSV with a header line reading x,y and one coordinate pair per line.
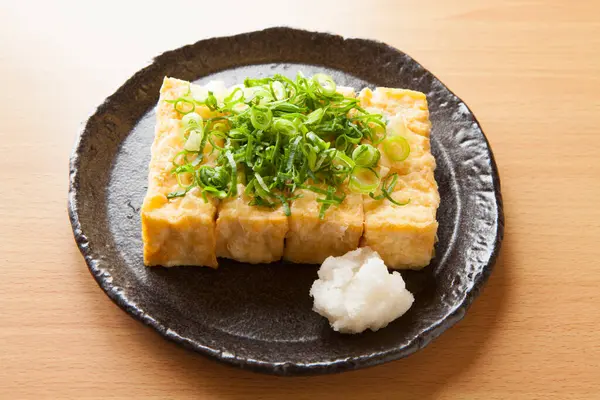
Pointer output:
x,y
259,316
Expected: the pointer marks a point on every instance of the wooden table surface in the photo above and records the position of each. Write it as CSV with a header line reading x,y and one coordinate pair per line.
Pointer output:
x,y
530,71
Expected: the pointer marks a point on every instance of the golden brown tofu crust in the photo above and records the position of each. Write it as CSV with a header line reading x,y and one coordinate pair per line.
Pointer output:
x,y
180,231
311,240
250,234
404,236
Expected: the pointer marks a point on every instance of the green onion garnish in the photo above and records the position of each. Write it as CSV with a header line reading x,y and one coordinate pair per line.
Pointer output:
x,y
285,126
193,141
325,84
261,117
396,148
192,120
387,187
363,180
184,106
365,155
276,135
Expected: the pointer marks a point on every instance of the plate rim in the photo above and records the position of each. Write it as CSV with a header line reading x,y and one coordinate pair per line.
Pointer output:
x,y
286,368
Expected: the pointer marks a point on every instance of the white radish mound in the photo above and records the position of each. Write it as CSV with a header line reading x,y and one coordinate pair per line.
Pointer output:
x,y
356,292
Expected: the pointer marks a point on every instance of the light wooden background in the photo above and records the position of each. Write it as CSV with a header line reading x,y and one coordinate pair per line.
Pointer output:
x,y
530,70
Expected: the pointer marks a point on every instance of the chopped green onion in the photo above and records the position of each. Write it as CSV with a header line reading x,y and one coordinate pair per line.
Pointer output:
x,y
387,187
236,96
353,135
184,106
211,101
285,204
219,127
396,148
377,129
179,193
180,159
214,145
343,161
214,180
341,143
261,95
274,135
320,143
262,183
365,155
373,127
286,107
184,170
193,141
363,180
315,116
278,90
325,84
233,165
284,126
261,118
238,134
192,120
248,82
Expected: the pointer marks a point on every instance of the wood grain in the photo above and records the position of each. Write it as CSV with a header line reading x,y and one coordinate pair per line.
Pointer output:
x,y
530,70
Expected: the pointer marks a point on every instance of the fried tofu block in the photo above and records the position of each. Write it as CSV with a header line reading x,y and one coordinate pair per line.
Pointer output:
x,y
408,116
311,240
186,230
404,236
410,104
248,233
180,231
